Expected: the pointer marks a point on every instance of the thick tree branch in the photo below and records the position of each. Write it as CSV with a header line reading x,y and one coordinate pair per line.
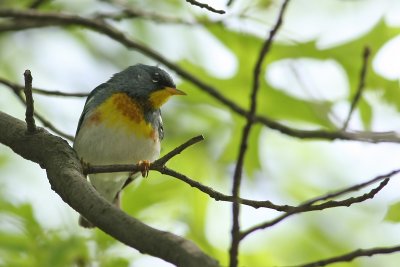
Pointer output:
x,y
65,176
34,19
348,257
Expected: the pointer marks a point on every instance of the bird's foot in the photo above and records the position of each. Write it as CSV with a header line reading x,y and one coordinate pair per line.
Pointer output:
x,y
85,166
144,167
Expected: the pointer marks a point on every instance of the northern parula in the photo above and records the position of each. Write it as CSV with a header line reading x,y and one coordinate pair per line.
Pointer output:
x,y
121,124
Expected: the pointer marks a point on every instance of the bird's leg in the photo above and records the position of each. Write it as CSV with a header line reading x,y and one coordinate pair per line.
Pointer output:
x,y
144,167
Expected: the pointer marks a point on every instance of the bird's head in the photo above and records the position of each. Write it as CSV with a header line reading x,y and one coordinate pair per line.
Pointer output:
x,y
147,83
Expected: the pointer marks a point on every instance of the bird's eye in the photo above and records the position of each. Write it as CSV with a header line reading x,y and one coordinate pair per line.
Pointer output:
x,y
156,77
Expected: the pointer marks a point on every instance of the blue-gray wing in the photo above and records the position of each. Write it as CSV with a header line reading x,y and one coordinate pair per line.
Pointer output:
x,y
160,127
91,102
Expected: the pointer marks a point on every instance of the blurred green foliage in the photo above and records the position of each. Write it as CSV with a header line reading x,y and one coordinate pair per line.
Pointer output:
x,y
166,202
393,213
24,242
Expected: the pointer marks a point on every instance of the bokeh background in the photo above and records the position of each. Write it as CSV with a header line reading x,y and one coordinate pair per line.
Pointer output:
x,y
310,79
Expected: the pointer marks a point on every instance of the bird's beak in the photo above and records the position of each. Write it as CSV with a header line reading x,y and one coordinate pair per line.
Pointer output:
x,y
174,91
158,98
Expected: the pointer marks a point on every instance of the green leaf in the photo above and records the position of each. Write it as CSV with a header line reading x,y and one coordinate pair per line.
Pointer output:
x,y
393,213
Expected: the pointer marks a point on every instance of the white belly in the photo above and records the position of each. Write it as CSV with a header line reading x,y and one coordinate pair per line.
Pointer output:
x,y
100,145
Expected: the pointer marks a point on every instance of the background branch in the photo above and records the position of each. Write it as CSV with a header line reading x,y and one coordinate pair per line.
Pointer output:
x,y
17,89
348,257
329,204
130,13
209,8
65,176
351,188
237,176
360,88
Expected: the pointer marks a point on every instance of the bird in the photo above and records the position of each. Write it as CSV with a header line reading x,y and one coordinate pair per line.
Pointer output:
x,y
121,124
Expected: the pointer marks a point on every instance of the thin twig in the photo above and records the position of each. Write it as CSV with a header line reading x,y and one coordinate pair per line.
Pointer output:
x,y
58,93
35,90
127,11
30,121
46,123
302,209
237,176
349,189
209,8
162,161
362,136
130,13
218,196
348,257
18,25
17,92
306,207
156,165
360,88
